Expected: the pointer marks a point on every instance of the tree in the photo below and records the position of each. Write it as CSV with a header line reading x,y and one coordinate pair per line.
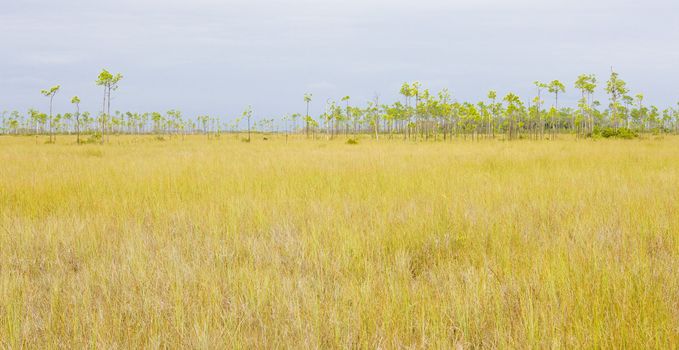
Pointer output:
x,y
86,120
346,99
57,124
492,96
538,104
285,127
586,83
406,91
38,119
294,118
616,88
50,93
14,122
4,123
415,92
109,82
555,87
653,118
175,122
204,119
373,116
627,101
76,101
307,100
157,119
514,108
247,113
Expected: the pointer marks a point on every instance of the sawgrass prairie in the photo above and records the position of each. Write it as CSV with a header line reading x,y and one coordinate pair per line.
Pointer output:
x,y
200,243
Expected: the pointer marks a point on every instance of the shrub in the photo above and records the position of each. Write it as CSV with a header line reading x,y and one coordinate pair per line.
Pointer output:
x,y
94,138
623,133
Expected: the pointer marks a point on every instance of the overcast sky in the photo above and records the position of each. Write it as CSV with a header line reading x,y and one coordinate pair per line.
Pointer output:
x,y
215,57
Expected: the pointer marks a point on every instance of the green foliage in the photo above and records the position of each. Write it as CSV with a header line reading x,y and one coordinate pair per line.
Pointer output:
x,y
94,138
622,133
420,115
492,95
555,87
615,86
352,141
51,91
106,79
586,83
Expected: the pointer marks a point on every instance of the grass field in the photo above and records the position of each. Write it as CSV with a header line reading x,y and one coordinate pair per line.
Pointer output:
x,y
320,244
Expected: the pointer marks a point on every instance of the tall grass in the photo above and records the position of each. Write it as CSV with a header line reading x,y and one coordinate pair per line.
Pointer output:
x,y
320,244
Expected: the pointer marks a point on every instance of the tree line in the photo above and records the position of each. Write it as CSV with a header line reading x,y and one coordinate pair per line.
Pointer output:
x,y
419,115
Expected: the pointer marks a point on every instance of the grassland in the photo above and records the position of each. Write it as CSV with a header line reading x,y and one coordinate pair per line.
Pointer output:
x,y
320,244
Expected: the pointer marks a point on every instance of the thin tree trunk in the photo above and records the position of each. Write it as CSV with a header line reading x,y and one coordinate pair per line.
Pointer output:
x,y
108,108
51,132
103,116
77,124
306,118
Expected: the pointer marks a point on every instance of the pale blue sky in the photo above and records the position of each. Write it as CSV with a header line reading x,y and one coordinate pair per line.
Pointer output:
x,y
216,57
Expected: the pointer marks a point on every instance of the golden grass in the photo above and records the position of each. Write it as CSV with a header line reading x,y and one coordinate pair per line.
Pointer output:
x,y
320,244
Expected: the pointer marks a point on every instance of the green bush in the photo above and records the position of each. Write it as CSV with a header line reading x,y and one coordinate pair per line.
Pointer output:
x,y
622,133
94,138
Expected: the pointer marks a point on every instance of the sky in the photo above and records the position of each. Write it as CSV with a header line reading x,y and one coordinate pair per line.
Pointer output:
x,y
216,57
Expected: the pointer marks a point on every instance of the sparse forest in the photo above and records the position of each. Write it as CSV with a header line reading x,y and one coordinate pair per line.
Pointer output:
x,y
420,115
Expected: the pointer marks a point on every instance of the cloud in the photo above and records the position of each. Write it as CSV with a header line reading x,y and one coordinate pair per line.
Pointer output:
x,y
214,57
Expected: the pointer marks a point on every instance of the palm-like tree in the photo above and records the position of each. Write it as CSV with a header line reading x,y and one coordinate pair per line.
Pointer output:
x,y
109,82
247,113
307,100
50,93
76,101
555,87
586,83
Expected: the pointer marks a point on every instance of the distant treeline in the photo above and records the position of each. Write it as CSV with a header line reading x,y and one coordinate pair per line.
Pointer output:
x,y
421,114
